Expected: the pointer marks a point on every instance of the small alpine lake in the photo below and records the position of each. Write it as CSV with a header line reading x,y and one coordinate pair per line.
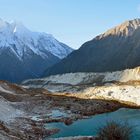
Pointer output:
x,y
89,126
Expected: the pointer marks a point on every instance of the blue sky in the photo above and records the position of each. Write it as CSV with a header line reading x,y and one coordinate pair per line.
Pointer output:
x,y
70,21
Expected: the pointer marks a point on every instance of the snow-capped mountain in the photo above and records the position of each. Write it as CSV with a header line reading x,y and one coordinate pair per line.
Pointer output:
x,y
16,33
25,54
116,49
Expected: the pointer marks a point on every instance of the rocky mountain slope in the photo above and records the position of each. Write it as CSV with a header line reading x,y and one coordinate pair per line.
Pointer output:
x,y
120,85
116,49
91,79
26,54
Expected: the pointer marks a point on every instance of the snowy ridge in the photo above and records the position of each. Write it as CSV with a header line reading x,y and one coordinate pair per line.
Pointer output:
x,y
20,40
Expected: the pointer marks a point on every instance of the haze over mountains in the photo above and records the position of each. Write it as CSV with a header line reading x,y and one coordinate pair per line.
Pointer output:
x,y
116,49
26,54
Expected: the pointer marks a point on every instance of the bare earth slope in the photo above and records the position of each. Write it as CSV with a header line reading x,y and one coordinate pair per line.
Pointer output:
x,y
120,85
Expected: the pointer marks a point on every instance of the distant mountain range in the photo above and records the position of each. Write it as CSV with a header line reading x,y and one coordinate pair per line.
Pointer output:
x,y
25,54
116,49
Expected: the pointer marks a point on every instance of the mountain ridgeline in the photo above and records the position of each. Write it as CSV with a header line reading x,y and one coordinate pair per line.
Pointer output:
x,y
116,49
25,54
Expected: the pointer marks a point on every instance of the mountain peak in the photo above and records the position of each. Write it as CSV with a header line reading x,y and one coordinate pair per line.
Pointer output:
x,y
130,24
16,34
18,27
116,49
125,29
27,54
134,22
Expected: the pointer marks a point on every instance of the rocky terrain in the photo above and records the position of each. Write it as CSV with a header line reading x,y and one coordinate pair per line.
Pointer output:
x,y
25,112
120,85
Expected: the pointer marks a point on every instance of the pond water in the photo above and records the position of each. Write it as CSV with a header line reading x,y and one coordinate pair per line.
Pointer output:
x,y
88,127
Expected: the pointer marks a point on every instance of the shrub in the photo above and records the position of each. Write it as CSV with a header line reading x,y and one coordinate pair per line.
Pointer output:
x,y
115,131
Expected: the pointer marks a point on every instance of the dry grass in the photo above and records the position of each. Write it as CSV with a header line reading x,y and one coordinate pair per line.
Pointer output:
x,y
115,131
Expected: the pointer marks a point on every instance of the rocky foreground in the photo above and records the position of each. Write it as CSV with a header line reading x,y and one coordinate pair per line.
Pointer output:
x,y
24,111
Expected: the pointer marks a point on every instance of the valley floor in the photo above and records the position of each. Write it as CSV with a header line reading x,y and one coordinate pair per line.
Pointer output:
x,y
27,110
